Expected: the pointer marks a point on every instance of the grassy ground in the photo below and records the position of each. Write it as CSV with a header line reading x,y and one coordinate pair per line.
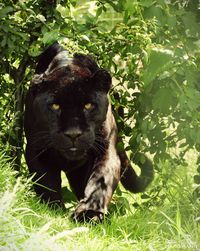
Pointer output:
x,y
168,221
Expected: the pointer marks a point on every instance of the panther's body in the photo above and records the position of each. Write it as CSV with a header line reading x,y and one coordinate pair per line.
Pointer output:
x,y
69,126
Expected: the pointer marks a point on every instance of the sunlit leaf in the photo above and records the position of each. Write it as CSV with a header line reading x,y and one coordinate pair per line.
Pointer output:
x,y
50,37
158,60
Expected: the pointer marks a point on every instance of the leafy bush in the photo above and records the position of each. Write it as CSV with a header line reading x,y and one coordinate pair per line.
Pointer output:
x,y
151,49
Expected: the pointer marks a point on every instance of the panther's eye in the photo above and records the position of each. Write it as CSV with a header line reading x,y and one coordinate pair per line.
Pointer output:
x,y
89,106
55,107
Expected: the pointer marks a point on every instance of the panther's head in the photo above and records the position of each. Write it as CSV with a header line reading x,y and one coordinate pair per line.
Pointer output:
x,y
70,101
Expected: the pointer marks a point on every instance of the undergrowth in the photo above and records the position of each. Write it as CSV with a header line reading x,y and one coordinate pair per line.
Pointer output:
x,y
166,221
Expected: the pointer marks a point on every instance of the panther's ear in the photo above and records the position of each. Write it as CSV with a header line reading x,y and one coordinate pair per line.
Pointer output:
x,y
47,56
102,80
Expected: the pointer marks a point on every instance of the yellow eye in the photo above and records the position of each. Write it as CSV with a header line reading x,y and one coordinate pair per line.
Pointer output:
x,y
55,107
88,106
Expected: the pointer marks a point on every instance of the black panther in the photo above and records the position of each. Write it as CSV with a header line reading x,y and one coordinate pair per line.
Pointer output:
x,y
69,126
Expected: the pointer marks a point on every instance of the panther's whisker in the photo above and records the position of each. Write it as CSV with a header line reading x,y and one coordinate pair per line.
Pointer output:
x,y
42,139
38,133
41,152
99,147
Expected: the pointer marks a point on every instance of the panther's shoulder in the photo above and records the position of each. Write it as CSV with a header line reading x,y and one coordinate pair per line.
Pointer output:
x,y
56,64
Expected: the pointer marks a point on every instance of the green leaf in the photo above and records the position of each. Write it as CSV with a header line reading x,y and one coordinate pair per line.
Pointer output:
x,y
145,196
155,12
118,6
99,11
197,179
142,159
147,3
34,50
120,146
73,3
130,6
191,26
84,37
163,99
133,143
64,11
50,37
4,11
194,134
159,59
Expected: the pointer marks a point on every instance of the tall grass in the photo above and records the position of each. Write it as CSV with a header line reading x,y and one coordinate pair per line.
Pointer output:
x,y
171,224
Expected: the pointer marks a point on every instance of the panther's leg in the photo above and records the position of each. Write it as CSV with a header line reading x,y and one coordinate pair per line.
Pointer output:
x,y
100,187
46,178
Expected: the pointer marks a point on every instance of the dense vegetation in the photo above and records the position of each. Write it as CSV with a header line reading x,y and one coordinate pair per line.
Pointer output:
x,y
151,49
172,224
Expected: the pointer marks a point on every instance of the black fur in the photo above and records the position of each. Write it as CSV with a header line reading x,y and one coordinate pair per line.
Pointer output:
x,y
46,57
69,126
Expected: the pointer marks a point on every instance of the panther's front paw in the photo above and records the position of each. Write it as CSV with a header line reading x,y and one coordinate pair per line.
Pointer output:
x,y
88,216
84,214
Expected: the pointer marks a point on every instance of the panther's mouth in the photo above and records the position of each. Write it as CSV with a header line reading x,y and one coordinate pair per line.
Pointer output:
x,y
74,153
73,149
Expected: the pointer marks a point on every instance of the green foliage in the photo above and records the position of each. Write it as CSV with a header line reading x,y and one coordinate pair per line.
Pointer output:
x,y
151,49
159,224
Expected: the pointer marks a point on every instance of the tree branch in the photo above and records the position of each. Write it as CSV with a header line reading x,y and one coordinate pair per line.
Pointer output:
x,y
19,73
18,77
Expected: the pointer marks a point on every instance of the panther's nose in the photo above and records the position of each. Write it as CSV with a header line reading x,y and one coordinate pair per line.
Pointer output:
x,y
73,133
